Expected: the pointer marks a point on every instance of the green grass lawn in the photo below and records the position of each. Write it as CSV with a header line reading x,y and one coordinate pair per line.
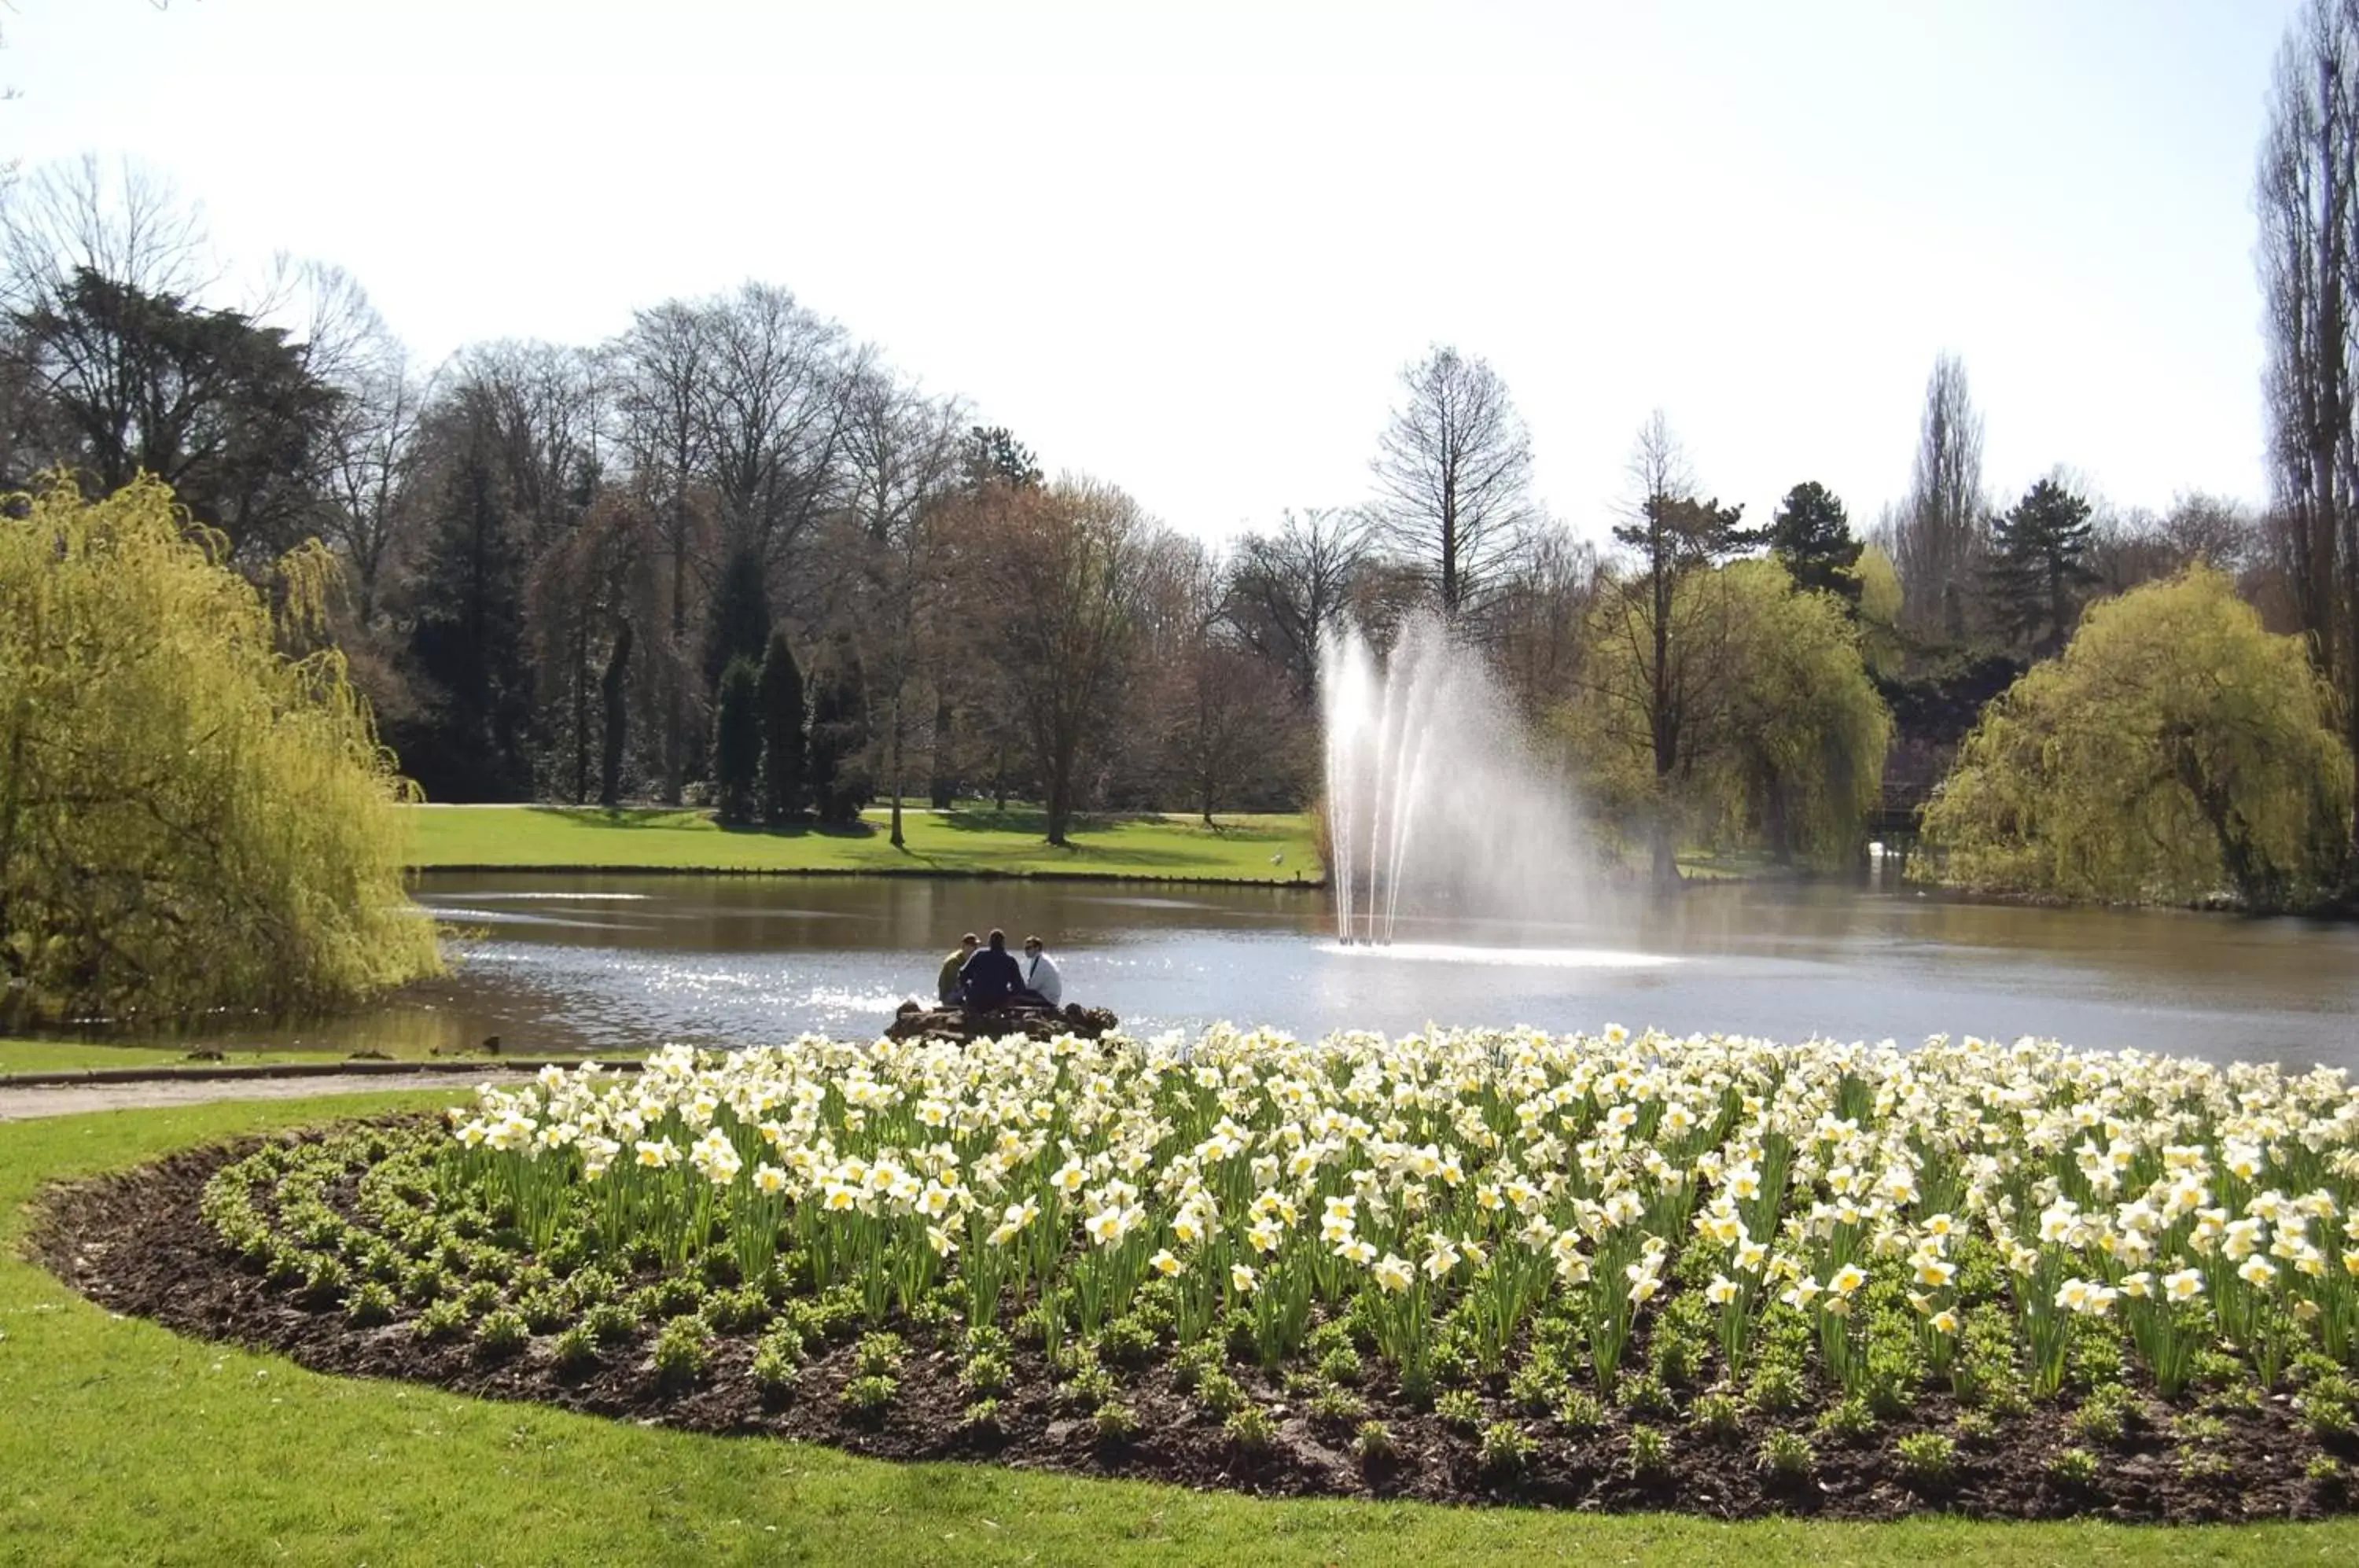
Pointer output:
x,y
125,1443
73,1055
965,842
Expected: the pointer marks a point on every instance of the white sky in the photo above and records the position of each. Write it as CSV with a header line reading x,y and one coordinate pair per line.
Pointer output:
x,y
1188,246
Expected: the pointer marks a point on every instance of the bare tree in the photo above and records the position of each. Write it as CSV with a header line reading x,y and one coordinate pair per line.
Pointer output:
x,y
663,365
367,450
1287,588
1942,531
1670,680
902,455
2308,250
1068,558
1453,474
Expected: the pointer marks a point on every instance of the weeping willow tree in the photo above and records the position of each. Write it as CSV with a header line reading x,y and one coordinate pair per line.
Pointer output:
x,y
1775,734
190,820
2175,751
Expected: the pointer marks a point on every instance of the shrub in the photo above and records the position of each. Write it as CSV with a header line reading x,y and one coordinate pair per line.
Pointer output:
x,y
879,1355
1115,1421
870,1395
443,1320
986,1374
1581,1411
1336,1408
1372,1442
1459,1409
1506,1449
372,1304
1928,1456
503,1333
683,1351
1650,1450
2074,1467
1250,1428
1787,1455
1717,1413
575,1349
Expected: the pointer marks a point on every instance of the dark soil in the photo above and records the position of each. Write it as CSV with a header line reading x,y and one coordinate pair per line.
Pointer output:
x,y
135,1243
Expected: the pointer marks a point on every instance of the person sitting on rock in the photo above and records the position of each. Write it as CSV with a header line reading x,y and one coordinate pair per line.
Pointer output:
x,y
991,976
946,984
1042,985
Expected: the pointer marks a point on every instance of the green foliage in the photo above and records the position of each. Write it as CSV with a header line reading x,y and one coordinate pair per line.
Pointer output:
x,y
2176,748
1927,1456
1787,1455
1506,1448
683,1350
870,1395
738,625
502,1332
738,743
1650,1450
1778,736
2035,568
2074,1467
1373,1441
783,738
836,754
1810,536
190,820
1250,1428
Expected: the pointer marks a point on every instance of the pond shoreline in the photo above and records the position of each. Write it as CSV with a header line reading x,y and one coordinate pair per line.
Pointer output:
x,y
1303,884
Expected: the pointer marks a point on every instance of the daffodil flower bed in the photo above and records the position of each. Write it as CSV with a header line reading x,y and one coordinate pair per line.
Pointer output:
x,y
1491,1253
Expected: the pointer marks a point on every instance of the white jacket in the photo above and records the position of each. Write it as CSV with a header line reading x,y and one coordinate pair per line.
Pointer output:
x,y
1040,975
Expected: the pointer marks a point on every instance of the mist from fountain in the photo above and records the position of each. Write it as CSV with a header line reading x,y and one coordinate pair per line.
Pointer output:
x,y
1436,802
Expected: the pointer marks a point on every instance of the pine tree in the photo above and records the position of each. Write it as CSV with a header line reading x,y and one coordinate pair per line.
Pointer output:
x,y
466,646
1811,537
740,622
2036,571
737,742
839,782
783,760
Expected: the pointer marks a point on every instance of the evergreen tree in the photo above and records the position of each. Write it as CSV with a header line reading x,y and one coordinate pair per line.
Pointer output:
x,y
740,622
737,742
2037,569
1811,537
783,760
839,782
466,646
615,688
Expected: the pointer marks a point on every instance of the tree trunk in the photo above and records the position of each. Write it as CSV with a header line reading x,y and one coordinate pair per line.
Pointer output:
x,y
896,770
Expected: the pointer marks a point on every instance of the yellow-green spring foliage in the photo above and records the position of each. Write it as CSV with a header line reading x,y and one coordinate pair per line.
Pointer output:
x,y
190,820
2176,750
1776,734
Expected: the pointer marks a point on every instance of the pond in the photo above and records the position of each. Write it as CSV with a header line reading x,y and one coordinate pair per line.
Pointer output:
x,y
589,963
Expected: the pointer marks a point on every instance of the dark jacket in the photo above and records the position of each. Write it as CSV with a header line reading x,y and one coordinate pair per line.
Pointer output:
x,y
989,978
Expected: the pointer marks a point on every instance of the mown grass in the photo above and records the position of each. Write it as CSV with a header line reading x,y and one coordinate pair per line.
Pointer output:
x,y
75,1055
956,843
125,1443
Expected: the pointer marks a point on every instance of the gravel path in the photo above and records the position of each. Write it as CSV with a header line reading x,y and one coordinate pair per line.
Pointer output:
x,y
70,1099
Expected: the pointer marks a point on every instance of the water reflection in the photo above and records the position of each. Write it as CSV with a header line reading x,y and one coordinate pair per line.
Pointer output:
x,y
603,963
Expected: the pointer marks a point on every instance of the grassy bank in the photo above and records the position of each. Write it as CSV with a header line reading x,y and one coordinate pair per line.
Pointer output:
x,y
966,843
126,1443
75,1055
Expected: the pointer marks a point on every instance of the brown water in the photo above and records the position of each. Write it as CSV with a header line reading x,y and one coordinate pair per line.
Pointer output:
x,y
601,962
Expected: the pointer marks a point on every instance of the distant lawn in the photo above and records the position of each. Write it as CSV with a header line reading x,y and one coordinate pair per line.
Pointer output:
x,y
959,843
73,1055
125,1443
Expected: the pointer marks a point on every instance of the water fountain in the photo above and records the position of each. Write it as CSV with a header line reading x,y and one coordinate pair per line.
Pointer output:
x,y
1435,801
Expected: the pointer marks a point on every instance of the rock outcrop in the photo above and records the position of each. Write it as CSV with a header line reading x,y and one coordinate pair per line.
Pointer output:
x,y
917,1021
